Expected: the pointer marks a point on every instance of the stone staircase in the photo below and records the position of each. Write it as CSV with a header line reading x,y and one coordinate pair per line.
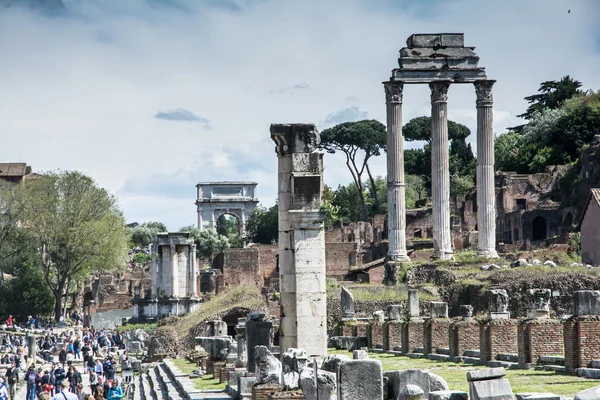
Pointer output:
x,y
593,372
164,381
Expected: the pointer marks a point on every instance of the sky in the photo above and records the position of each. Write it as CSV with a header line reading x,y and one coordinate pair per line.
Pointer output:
x,y
150,97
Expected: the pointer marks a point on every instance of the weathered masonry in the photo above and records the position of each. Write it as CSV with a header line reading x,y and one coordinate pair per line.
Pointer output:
x,y
439,60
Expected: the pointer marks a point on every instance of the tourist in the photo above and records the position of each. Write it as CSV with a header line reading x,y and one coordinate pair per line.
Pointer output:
x,y
44,396
59,376
99,369
62,356
79,391
70,358
64,393
12,378
75,380
9,321
99,393
47,381
3,391
109,371
38,382
31,379
115,392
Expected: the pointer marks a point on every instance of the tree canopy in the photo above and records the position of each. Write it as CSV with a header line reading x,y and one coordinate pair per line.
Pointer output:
x,y
350,137
78,226
144,234
262,225
208,242
552,95
420,129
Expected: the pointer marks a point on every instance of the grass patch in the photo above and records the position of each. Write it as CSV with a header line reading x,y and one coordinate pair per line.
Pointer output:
x,y
456,375
239,296
372,292
207,382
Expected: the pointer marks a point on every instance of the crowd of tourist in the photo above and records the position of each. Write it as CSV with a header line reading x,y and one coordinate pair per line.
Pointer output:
x,y
69,355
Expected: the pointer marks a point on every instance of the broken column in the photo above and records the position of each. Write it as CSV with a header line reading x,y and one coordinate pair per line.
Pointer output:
x,y
540,307
258,333
440,173
301,238
347,303
497,304
486,195
412,331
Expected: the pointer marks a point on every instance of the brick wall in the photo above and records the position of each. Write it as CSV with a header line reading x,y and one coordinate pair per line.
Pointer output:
x,y
539,338
262,391
240,267
463,335
497,337
588,333
338,258
374,334
436,334
571,344
392,334
412,336
287,395
267,257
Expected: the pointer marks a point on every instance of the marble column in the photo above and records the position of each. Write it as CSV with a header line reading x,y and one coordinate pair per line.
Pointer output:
x,y
486,195
154,270
174,271
395,173
440,174
199,210
193,271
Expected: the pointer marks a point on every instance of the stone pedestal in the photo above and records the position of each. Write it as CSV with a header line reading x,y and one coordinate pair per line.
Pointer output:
x,y
301,239
581,341
258,333
463,335
440,175
538,338
497,337
412,336
392,335
436,334
395,173
374,334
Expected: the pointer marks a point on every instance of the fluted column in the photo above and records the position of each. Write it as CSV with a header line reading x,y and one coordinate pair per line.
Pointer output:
x,y
486,196
174,271
193,270
154,270
440,174
395,173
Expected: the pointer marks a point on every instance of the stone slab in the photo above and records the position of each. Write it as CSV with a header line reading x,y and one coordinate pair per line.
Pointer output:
x,y
448,395
586,302
588,394
491,389
427,381
537,396
360,379
485,374
436,40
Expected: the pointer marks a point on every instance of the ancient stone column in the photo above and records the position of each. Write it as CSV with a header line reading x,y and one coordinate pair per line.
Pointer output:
x,y
486,196
302,277
395,173
154,270
193,271
440,174
174,274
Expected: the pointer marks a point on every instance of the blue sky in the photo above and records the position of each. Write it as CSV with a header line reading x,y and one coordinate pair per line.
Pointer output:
x,y
152,96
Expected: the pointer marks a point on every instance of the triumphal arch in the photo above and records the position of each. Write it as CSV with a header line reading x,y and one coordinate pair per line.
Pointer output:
x,y
218,198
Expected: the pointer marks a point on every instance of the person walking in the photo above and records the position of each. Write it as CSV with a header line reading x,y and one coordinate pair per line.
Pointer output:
x,y
31,379
3,391
115,392
12,378
64,393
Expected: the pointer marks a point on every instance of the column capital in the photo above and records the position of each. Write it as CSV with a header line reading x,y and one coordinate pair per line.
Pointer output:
x,y
439,91
483,90
393,91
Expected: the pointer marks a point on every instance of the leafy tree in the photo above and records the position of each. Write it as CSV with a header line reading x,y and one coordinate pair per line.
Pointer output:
x,y
144,234
76,224
420,129
416,189
228,226
418,162
346,199
350,137
208,242
263,225
10,234
552,94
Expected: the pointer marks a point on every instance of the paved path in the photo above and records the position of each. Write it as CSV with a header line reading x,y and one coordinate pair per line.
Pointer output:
x,y
21,393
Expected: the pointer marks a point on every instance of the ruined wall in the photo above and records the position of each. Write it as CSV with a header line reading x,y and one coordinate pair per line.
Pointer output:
x,y
240,267
539,337
590,234
497,337
436,334
392,335
463,335
339,258
114,290
267,257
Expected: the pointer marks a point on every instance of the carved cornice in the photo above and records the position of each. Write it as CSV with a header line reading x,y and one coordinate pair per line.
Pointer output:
x,y
283,142
393,92
483,90
439,91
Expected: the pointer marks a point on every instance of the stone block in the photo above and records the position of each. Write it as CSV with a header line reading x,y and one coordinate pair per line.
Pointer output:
x,y
429,382
360,355
436,40
586,302
268,367
466,311
448,395
379,316
537,396
360,379
497,300
245,384
293,361
411,392
485,374
438,309
499,315
325,388
394,312
347,342
332,362
413,303
588,394
491,389
258,333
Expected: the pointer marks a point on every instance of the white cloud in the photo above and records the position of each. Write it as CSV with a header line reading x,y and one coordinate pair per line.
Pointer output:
x,y
79,91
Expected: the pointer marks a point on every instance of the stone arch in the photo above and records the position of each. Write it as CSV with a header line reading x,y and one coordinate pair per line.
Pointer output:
x,y
568,222
237,214
539,228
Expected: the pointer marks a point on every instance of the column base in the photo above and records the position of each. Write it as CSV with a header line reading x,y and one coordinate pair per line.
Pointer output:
x,y
442,255
398,258
488,253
